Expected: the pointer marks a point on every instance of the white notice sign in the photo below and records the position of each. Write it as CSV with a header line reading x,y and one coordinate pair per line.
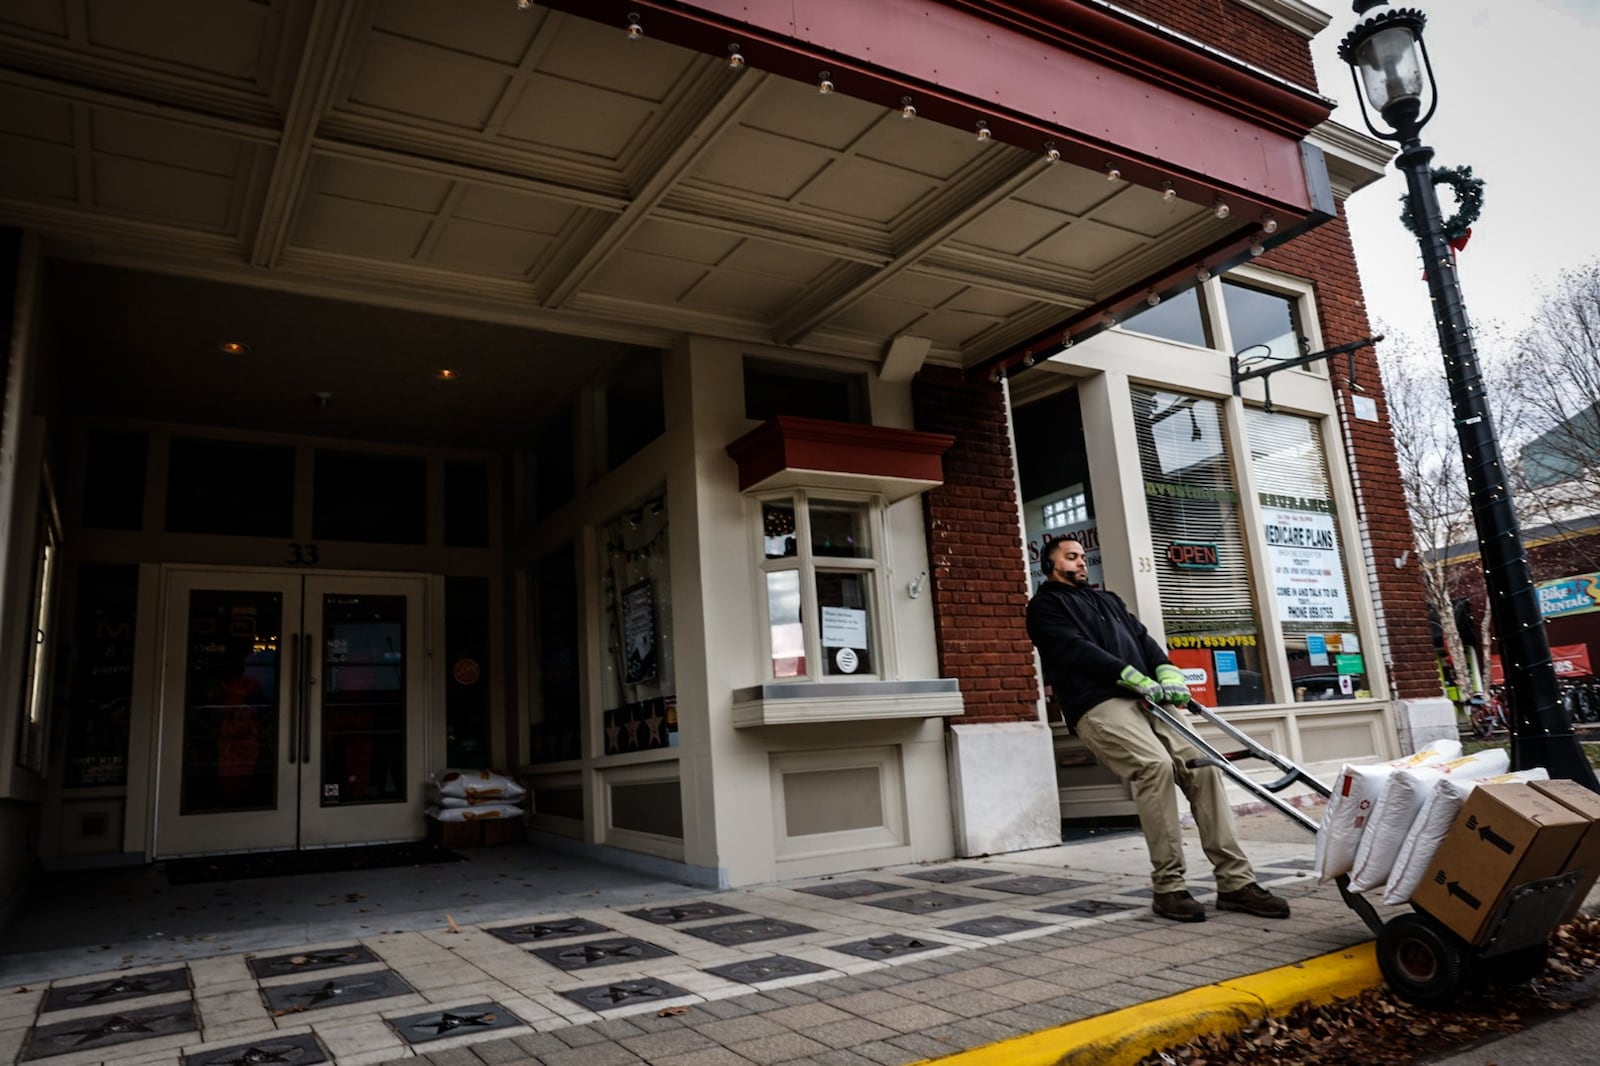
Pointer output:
x,y
1307,575
844,627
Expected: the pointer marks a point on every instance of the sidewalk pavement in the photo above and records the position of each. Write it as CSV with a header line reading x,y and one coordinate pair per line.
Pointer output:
x,y
1048,956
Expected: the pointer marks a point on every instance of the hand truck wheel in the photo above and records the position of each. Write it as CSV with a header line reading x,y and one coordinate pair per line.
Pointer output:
x,y
1422,960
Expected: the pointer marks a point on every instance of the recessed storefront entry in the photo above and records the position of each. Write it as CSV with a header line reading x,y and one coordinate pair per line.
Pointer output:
x,y
292,710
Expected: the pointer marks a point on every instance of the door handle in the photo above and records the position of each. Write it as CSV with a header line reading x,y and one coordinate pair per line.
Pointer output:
x,y
297,668
305,700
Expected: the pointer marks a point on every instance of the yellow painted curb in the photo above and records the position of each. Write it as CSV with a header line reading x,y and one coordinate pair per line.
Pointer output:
x,y
1123,1037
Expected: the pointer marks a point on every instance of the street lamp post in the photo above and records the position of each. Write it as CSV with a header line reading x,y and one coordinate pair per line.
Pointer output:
x,y
1393,74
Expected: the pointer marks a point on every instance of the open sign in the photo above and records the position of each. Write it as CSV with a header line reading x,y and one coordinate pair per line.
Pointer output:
x,y
1192,555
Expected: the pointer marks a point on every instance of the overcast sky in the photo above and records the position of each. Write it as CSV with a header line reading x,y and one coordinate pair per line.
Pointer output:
x,y
1518,103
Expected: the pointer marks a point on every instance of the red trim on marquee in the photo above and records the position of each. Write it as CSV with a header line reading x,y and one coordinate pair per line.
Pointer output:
x,y
1102,88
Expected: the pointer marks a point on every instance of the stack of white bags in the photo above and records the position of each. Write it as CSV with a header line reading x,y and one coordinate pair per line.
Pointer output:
x,y
1384,822
472,795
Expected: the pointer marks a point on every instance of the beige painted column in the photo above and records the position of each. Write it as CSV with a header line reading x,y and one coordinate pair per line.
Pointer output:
x,y
1120,512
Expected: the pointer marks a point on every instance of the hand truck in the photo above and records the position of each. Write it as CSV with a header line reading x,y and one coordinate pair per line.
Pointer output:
x,y
1421,958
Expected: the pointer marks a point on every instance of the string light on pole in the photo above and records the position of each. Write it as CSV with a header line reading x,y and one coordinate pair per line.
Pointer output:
x,y
1394,80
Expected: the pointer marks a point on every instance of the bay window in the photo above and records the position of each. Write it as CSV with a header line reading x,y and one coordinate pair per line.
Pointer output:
x,y
820,566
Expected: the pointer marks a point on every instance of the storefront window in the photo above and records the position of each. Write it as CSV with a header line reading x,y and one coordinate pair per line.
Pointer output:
x,y
1267,322
638,685
820,572
1177,318
1202,567
1301,530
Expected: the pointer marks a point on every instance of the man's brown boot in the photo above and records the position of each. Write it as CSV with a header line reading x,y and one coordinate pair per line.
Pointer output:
x,y
1179,906
1253,899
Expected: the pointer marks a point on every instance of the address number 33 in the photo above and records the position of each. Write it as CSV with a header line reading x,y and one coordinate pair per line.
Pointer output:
x,y
303,554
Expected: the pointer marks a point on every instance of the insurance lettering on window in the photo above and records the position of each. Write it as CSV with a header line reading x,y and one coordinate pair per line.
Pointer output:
x,y
1307,574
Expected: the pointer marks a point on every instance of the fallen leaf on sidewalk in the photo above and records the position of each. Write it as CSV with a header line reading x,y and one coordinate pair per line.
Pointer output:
x,y
671,1012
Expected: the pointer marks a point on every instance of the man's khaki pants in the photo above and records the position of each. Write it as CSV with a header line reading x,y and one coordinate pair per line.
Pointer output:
x,y
1151,759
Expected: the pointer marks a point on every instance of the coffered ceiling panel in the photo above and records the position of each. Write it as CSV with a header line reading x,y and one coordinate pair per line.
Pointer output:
x,y
798,112
561,114
486,249
470,29
391,186
544,172
870,192
683,242
761,164
43,16
167,194
401,78
1084,247
501,207
225,38
936,152
360,228
595,54
772,260
1011,228
742,295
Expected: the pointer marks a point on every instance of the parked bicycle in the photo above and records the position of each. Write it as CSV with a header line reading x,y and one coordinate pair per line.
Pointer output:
x,y
1486,715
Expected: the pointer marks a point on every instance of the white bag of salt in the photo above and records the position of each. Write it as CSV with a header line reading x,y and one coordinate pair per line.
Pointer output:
x,y
1354,792
1397,807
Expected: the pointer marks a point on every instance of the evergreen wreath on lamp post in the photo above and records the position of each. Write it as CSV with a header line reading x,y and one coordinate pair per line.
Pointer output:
x,y
1469,203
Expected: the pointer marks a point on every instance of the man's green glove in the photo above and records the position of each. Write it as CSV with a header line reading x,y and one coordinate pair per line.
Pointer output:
x,y
1143,686
1174,689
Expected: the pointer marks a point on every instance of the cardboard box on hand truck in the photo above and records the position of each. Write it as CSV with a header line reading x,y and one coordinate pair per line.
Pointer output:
x,y
1505,834
1587,856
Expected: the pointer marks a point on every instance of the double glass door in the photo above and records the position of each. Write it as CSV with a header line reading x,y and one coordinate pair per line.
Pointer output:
x,y
292,711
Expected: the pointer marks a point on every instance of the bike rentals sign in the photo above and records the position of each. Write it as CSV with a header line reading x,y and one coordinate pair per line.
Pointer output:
x,y
1569,595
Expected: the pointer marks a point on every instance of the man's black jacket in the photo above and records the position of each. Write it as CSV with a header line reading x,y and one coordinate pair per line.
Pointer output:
x,y
1085,637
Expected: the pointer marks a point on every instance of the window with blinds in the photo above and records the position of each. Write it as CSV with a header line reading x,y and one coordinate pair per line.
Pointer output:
x,y
1305,557
1202,565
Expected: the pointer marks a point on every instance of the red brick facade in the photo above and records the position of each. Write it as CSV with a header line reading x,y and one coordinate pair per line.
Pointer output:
x,y
1236,30
979,584
1326,257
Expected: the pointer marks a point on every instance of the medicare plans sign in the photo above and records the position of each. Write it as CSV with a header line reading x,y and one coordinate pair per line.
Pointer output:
x,y
1307,575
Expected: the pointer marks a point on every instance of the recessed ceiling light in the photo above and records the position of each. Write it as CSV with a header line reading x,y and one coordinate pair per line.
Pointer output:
x,y
233,348
445,374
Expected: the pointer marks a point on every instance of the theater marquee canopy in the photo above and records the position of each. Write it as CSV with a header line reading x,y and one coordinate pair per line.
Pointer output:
x,y
550,171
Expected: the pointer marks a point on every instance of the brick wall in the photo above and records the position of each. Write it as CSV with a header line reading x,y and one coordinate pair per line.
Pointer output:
x,y
1325,257
1238,31
979,586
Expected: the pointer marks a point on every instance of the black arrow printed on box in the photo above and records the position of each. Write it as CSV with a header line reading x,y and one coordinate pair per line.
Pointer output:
x,y
1497,840
1454,888
1488,833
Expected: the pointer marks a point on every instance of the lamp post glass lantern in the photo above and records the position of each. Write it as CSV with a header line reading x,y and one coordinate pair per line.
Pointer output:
x,y
1393,77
